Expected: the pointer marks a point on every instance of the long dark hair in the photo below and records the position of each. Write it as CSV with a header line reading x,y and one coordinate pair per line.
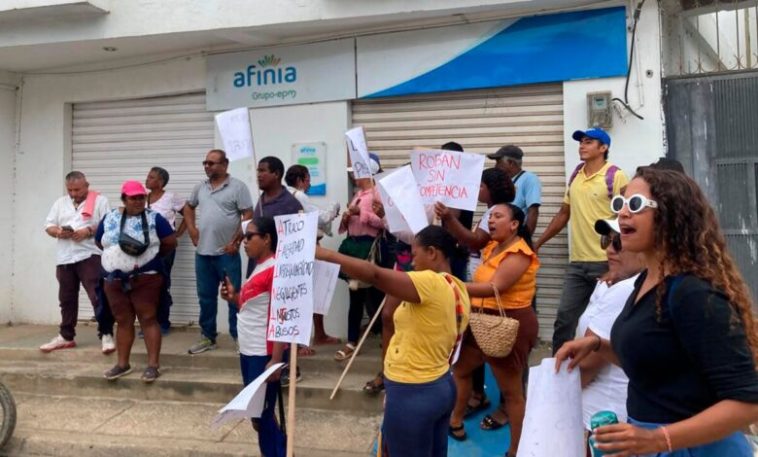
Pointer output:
x,y
267,226
519,216
434,236
500,186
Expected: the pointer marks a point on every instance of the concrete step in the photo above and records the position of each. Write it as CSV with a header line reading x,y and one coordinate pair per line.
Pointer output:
x,y
176,384
66,426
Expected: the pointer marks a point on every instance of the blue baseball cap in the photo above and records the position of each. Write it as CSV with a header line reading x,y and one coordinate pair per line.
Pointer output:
x,y
596,134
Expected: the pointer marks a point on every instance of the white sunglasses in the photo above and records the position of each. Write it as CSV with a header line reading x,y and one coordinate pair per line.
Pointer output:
x,y
636,203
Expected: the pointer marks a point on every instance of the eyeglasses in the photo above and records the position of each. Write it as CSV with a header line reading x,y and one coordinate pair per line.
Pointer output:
x,y
210,163
250,235
636,203
608,240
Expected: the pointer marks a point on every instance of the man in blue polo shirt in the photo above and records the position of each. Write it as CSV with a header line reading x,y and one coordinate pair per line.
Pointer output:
x,y
528,185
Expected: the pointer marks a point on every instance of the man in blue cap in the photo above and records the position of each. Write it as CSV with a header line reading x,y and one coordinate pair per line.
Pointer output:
x,y
590,189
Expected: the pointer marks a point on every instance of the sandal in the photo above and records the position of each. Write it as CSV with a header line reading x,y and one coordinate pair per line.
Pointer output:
x,y
451,432
344,353
305,351
150,374
482,403
490,423
375,385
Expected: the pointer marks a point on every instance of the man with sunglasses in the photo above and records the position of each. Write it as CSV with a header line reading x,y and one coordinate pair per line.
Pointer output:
x,y
587,199
213,215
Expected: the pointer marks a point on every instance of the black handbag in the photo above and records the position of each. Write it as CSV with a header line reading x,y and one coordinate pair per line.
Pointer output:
x,y
130,245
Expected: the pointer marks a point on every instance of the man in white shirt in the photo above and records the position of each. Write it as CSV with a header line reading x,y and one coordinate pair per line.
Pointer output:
x,y
73,221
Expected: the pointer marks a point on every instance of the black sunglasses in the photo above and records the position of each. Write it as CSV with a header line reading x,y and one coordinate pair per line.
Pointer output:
x,y
250,235
607,240
210,163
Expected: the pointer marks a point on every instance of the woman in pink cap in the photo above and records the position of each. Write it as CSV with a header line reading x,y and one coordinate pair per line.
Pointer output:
x,y
134,239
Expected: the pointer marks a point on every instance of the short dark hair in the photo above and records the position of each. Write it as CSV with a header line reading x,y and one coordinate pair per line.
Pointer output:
x,y
452,146
274,165
162,173
266,226
220,152
434,236
75,175
499,184
664,163
294,173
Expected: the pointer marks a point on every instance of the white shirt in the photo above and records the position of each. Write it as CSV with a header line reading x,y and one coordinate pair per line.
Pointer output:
x,y
475,258
325,216
168,205
608,391
65,213
253,315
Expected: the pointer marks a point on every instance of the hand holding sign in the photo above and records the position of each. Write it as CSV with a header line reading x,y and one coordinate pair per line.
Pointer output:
x,y
450,177
359,158
234,128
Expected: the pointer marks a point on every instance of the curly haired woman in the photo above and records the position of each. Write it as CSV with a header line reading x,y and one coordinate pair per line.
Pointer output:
x,y
686,337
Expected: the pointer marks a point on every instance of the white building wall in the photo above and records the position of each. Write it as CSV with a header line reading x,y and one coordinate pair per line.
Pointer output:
x,y
8,91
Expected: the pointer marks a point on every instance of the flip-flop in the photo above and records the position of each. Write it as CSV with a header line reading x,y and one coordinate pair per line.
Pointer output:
x,y
489,423
451,433
305,351
375,385
483,404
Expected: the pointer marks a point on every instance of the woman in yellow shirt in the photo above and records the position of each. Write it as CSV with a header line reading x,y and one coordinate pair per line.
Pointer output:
x,y
510,265
428,324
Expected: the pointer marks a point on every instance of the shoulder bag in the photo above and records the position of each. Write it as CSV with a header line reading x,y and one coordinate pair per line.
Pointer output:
x,y
495,334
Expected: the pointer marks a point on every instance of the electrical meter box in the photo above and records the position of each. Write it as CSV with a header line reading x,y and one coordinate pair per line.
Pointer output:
x,y
599,112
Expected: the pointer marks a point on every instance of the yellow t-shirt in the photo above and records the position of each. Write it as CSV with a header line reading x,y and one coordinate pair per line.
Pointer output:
x,y
588,198
520,294
425,332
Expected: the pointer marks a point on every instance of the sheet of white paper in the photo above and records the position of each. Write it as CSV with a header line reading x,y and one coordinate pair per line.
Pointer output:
x,y
291,315
325,276
450,177
401,187
395,220
553,421
359,158
247,403
234,128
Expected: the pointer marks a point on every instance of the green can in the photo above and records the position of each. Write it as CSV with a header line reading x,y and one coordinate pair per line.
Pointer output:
x,y
600,419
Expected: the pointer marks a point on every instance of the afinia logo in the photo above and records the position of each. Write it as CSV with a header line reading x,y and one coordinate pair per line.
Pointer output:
x,y
266,72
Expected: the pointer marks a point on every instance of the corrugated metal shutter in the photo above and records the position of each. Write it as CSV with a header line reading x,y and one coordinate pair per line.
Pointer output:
x,y
482,121
119,140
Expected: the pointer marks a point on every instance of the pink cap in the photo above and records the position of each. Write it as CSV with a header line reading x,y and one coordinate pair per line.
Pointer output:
x,y
132,188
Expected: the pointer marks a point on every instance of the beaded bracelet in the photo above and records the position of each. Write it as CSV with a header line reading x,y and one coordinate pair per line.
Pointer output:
x,y
668,439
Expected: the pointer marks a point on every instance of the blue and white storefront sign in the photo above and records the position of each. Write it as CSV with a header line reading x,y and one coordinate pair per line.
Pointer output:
x,y
313,157
538,49
281,76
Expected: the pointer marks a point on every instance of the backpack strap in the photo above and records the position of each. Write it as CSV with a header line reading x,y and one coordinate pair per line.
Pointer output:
x,y
610,176
458,318
573,175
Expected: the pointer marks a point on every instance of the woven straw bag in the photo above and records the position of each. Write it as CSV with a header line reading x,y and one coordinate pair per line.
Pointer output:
x,y
495,335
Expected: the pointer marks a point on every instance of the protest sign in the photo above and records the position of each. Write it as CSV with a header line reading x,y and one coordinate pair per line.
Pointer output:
x,y
359,158
324,282
234,128
553,421
249,402
290,318
450,177
403,208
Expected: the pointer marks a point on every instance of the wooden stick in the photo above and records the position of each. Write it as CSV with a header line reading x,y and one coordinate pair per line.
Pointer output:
x,y
357,349
291,401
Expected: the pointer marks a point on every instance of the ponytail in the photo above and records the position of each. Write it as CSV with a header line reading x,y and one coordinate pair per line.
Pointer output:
x,y
520,217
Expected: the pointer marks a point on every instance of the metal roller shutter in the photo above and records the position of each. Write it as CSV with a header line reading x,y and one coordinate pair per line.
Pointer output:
x,y
119,140
482,121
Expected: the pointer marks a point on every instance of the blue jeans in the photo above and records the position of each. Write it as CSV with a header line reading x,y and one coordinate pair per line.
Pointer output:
x,y
271,439
210,270
417,416
734,445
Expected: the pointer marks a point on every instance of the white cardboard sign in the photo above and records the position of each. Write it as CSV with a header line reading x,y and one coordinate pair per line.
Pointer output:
x,y
291,316
359,158
325,276
247,403
402,203
553,421
234,128
450,177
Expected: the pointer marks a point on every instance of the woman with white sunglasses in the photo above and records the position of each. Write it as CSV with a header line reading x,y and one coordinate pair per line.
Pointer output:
x,y
686,337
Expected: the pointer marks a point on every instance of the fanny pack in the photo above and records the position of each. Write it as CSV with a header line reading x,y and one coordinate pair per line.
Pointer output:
x,y
131,245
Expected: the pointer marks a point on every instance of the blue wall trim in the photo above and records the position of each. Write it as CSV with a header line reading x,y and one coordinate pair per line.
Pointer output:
x,y
538,49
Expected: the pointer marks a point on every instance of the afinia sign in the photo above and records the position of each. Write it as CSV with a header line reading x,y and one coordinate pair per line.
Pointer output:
x,y
285,75
266,72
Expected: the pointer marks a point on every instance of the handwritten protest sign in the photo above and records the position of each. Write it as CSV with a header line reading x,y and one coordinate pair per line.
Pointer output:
x,y
234,128
553,420
359,158
450,177
402,204
290,318
324,282
249,402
